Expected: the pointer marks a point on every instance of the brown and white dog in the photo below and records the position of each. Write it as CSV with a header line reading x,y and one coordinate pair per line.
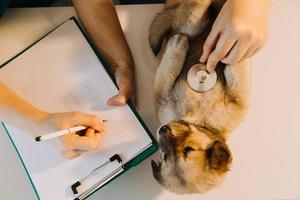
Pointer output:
x,y
194,154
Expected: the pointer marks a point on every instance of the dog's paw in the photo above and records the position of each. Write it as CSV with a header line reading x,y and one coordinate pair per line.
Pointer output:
x,y
179,42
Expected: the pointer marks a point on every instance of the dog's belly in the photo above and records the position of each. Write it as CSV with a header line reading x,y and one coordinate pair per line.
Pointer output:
x,y
191,106
217,108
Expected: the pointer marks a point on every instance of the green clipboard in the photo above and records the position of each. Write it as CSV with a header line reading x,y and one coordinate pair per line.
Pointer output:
x,y
133,162
3,6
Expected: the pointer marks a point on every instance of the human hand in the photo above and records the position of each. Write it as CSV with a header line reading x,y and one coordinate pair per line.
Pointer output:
x,y
240,30
101,21
74,144
125,81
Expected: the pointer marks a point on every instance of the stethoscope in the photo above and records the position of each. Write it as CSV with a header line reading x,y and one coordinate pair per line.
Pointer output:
x,y
199,79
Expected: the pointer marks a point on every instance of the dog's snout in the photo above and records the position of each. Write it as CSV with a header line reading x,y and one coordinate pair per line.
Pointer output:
x,y
165,130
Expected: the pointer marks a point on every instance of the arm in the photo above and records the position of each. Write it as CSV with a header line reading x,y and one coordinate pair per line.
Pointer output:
x,y
14,110
171,3
239,31
100,19
19,113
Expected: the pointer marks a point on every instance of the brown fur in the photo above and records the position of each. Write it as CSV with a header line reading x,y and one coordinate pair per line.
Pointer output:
x,y
195,126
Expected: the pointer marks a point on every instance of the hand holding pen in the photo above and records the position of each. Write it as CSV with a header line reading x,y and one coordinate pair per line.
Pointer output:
x,y
75,143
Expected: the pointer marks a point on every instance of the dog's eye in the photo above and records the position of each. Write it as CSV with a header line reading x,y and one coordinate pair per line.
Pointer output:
x,y
187,150
165,157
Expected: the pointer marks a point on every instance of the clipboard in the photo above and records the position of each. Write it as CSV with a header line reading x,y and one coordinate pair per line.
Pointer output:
x,y
123,167
3,6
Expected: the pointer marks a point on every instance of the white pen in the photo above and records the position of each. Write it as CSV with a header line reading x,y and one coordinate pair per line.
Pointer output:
x,y
61,133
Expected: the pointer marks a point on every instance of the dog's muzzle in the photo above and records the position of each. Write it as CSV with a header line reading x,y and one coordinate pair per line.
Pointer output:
x,y
164,130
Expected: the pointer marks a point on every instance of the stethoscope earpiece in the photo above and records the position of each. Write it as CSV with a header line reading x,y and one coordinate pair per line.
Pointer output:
x,y
199,79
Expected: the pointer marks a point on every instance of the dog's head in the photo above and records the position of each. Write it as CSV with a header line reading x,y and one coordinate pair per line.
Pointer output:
x,y
193,159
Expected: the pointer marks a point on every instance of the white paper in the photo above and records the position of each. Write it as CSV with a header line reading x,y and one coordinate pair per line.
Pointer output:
x,y
61,73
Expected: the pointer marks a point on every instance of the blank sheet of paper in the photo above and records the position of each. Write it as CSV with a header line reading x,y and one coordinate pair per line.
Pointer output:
x,y
62,73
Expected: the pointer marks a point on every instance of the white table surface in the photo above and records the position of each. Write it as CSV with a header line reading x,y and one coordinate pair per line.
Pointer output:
x,y
266,147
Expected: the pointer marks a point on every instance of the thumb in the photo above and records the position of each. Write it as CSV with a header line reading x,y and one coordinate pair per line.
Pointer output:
x,y
117,100
90,121
125,81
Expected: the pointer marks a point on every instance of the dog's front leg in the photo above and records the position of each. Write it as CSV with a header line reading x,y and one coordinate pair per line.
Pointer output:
x,y
170,67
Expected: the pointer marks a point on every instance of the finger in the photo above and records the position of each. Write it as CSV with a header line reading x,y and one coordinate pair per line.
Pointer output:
x,y
250,52
90,133
98,138
95,137
67,141
84,143
236,53
211,63
117,100
89,120
209,44
223,46
73,141
255,52
126,86
70,146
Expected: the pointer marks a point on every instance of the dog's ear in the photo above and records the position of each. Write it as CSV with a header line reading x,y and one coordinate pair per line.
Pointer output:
x,y
219,156
159,29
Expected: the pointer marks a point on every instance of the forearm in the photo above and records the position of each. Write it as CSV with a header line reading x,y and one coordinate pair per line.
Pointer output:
x,y
171,3
254,4
21,114
100,19
16,111
266,3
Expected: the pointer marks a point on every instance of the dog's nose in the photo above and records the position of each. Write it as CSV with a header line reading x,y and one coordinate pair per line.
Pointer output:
x,y
165,130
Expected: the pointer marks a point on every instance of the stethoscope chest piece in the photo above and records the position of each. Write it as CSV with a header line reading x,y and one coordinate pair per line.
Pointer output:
x,y
199,79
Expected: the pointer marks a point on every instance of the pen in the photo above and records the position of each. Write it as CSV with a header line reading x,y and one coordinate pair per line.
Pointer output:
x,y
61,133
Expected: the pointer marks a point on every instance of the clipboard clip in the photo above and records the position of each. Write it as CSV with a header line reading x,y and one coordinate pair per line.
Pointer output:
x,y
100,183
